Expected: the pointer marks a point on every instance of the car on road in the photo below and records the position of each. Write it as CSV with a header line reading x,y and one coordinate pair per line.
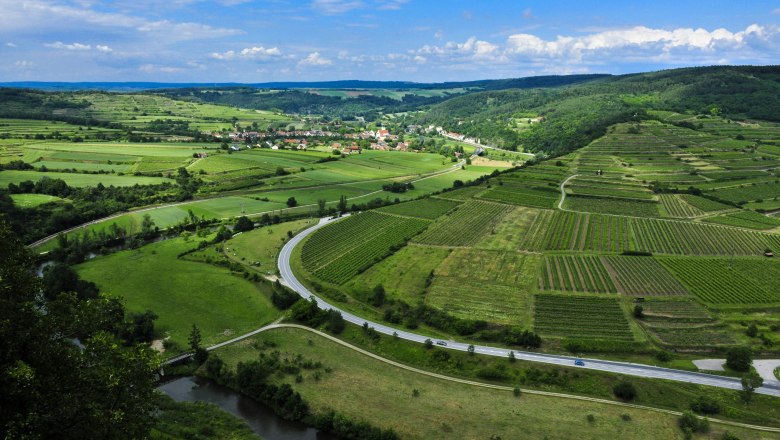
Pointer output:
x,y
579,362
442,343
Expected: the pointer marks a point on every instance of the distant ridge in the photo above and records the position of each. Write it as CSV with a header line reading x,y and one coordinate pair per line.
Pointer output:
x,y
489,84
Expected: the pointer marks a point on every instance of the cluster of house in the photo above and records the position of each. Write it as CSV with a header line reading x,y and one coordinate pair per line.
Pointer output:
x,y
296,140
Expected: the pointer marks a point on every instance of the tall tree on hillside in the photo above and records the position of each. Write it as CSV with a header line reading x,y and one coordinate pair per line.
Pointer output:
x,y
63,371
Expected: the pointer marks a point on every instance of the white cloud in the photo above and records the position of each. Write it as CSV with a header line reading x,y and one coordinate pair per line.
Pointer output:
x,y
47,17
249,53
334,7
102,48
73,46
24,64
315,59
471,48
639,37
390,5
153,68
9,44
420,59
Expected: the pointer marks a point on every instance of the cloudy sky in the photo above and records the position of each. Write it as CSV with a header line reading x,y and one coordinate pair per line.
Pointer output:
x,y
414,40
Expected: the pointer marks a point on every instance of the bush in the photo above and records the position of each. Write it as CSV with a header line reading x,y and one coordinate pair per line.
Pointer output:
x,y
706,405
739,358
689,423
624,391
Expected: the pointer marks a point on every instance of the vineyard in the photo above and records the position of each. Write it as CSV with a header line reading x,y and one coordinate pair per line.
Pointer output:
x,y
580,316
716,281
642,276
678,208
465,225
556,230
575,273
746,219
340,251
612,205
429,208
684,238
683,323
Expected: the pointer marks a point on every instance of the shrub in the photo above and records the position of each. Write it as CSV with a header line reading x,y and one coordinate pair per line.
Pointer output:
x,y
706,405
624,390
739,358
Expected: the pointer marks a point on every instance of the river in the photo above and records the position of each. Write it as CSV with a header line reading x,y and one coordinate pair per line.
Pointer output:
x,y
259,417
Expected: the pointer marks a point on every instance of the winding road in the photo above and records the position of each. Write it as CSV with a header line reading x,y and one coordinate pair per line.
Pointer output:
x,y
627,368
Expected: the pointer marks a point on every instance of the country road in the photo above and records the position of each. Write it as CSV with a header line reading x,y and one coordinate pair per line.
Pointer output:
x,y
627,368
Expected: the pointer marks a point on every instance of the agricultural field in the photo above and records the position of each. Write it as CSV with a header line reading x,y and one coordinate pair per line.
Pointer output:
x,y
703,204
488,285
181,292
686,238
683,324
511,230
642,276
338,252
583,317
464,226
404,275
676,207
428,208
717,281
612,205
558,230
78,179
746,219
32,200
575,274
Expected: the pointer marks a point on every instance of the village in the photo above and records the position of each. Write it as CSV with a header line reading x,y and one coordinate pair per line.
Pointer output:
x,y
348,143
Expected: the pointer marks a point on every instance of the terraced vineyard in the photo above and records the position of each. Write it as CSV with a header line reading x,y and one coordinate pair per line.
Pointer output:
x,y
428,208
642,276
465,225
678,208
683,323
746,219
580,316
685,238
556,230
704,204
715,281
612,205
339,251
575,273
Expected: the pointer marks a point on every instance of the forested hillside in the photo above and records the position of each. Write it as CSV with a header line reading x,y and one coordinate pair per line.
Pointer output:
x,y
575,115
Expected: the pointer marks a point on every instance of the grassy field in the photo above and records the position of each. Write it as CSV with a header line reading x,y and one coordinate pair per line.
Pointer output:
x,y
78,179
259,247
488,285
181,292
366,389
403,275
33,200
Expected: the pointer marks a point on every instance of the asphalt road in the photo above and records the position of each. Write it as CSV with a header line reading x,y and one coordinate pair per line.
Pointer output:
x,y
627,368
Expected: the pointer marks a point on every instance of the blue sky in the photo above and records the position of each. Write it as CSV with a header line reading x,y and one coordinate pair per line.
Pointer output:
x,y
413,40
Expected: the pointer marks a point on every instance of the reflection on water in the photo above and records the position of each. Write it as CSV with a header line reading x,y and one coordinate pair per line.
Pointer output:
x,y
260,418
